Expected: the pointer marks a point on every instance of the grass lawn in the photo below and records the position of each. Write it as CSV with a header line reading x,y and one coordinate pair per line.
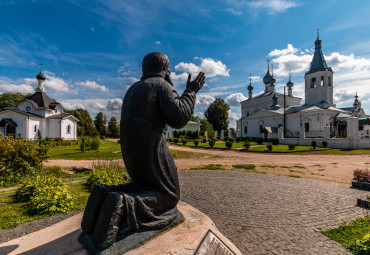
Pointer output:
x,y
285,148
108,150
73,152
218,144
348,233
14,213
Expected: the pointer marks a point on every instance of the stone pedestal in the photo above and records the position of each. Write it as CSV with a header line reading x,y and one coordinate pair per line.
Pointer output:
x,y
196,235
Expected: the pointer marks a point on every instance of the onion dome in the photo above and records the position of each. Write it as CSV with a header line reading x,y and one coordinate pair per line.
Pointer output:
x,y
40,76
290,83
269,79
250,87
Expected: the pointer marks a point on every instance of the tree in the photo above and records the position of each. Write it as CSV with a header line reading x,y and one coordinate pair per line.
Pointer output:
x,y
217,114
99,122
113,127
85,124
206,126
11,99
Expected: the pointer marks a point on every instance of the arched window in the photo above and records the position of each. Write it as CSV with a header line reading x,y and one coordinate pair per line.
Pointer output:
x,y
322,81
35,128
329,81
68,129
313,82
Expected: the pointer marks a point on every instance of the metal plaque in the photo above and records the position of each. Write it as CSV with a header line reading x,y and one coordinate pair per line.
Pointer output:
x,y
212,245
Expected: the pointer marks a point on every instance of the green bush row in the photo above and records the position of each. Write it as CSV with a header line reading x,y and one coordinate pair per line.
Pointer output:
x,y
107,173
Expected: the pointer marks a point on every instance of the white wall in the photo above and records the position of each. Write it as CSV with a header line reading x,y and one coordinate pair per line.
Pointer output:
x,y
72,135
20,119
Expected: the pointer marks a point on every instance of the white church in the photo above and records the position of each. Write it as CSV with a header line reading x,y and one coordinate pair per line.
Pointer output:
x,y
38,112
275,115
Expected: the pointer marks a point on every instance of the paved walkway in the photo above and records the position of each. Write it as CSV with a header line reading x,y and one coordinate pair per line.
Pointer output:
x,y
265,214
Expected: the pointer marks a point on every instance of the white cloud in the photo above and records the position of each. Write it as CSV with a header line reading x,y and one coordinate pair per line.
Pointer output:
x,y
30,84
288,51
114,104
133,79
13,88
233,116
234,12
235,99
209,66
110,107
92,29
204,100
273,6
158,42
55,84
92,85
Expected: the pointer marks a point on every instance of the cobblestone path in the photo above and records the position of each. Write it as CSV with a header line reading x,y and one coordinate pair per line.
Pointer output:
x,y
265,214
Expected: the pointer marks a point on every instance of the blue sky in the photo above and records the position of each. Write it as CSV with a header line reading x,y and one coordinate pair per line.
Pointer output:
x,y
92,50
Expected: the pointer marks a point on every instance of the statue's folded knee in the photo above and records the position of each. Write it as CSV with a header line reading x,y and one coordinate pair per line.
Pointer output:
x,y
93,207
107,226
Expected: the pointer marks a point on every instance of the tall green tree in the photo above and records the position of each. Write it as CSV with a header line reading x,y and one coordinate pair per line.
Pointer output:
x,y
217,114
99,122
85,125
113,127
11,99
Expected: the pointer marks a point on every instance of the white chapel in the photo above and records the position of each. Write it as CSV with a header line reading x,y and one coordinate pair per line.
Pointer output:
x,y
38,112
318,117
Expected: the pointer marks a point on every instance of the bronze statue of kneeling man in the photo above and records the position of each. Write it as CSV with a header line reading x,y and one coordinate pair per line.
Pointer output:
x,y
139,210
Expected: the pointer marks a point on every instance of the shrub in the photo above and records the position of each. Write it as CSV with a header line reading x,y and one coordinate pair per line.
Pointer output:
x,y
324,144
176,140
291,146
269,147
248,139
275,141
314,144
170,140
45,194
260,140
361,175
218,138
55,171
211,143
21,157
196,142
94,144
184,141
237,139
119,141
106,173
247,145
229,144
204,140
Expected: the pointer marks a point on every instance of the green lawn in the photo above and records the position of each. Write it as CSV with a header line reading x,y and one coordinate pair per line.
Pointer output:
x,y
108,150
284,148
353,235
14,213
218,144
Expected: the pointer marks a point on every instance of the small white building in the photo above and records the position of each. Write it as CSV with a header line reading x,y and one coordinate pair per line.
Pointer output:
x,y
190,126
38,112
265,114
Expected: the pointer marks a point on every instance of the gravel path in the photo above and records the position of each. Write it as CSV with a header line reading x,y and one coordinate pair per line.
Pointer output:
x,y
265,214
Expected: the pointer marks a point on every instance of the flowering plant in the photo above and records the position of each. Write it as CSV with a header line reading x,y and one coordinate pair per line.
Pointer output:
x,y
362,175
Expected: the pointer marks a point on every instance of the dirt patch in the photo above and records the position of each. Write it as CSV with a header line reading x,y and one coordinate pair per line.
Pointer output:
x,y
328,168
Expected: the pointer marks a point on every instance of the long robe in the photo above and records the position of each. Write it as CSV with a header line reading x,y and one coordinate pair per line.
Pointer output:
x,y
149,105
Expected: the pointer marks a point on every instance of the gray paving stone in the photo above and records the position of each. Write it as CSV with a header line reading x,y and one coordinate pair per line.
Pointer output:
x,y
265,214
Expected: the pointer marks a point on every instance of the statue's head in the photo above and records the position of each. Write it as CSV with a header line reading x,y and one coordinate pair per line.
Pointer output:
x,y
156,64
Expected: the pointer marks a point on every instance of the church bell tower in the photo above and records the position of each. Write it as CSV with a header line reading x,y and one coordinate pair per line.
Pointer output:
x,y
319,80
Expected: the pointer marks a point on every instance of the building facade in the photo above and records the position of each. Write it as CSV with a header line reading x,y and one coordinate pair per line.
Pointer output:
x,y
318,118
38,112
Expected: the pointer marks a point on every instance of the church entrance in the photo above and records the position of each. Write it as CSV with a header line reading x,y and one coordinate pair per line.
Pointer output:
x,y
341,129
9,126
